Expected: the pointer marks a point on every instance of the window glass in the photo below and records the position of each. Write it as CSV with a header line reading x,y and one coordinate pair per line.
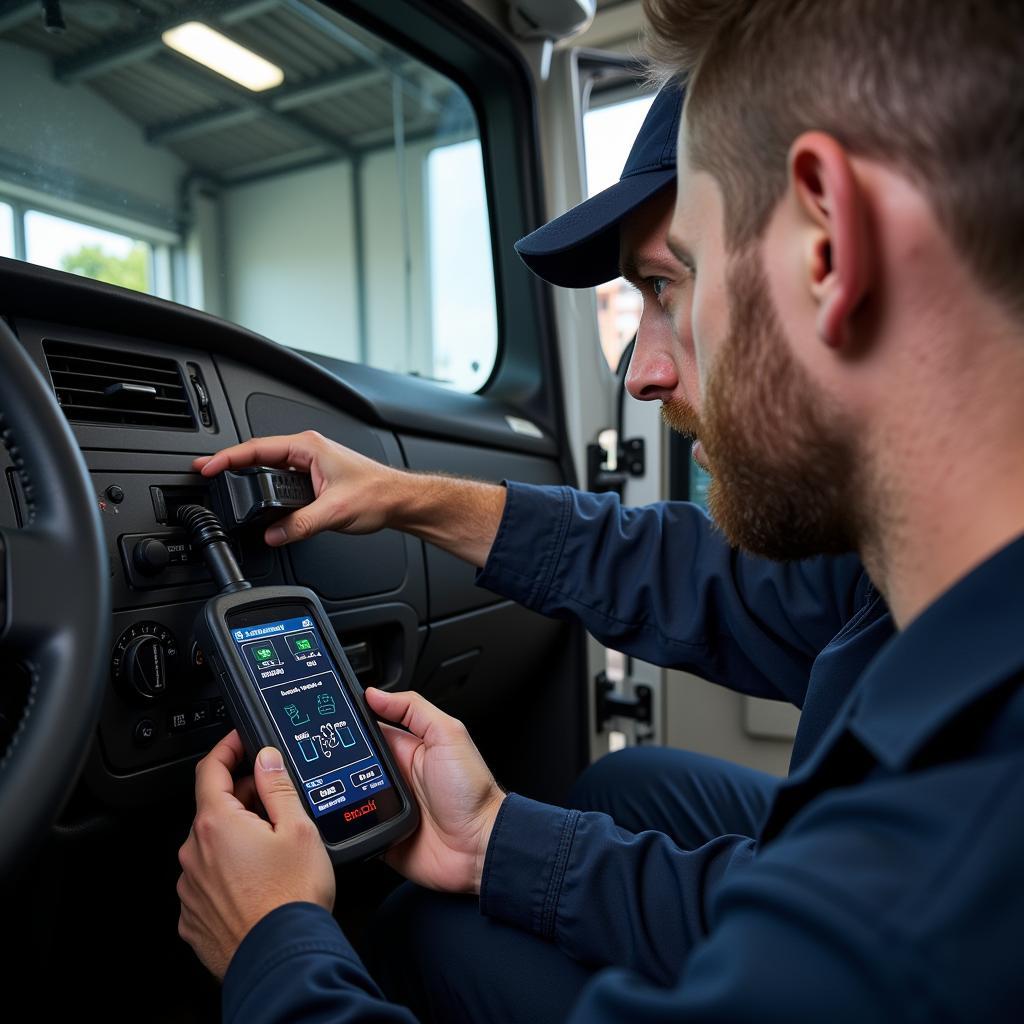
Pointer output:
x,y
462,284
608,135
91,252
6,231
329,195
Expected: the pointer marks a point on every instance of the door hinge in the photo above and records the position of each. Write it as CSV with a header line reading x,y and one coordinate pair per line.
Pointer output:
x,y
631,460
609,704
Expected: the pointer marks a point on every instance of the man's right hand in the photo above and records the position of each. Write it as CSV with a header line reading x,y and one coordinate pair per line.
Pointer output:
x,y
457,794
355,494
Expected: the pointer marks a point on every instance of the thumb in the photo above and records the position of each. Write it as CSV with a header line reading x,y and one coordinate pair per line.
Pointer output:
x,y
301,524
274,785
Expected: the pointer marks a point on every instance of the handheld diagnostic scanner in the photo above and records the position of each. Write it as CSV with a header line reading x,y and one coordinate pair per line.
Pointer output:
x,y
287,683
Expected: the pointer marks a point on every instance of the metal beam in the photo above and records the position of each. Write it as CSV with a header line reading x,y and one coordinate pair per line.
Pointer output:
x,y
254,105
119,52
307,159
16,12
280,100
201,124
282,163
327,87
414,130
395,66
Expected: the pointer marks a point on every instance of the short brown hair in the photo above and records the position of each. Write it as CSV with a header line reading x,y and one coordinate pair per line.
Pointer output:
x,y
933,87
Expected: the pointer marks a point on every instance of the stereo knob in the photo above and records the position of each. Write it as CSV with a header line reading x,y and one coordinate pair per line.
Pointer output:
x,y
150,556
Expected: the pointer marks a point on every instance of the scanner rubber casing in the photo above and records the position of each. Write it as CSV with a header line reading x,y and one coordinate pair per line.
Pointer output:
x,y
252,721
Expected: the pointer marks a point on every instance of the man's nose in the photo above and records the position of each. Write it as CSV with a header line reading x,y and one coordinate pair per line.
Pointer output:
x,y
652,373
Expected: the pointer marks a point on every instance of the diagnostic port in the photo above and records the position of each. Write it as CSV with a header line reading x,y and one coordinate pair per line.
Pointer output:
x,y
167,499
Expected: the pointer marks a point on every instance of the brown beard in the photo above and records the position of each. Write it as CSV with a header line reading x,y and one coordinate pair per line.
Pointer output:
x,y
782,460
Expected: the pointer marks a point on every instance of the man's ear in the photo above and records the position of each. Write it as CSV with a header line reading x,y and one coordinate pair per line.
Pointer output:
x,y
839,259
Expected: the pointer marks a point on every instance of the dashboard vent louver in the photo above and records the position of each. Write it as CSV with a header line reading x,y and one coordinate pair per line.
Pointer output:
x,y
107,385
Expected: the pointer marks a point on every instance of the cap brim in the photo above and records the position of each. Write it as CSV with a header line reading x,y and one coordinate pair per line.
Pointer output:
x,y
580,249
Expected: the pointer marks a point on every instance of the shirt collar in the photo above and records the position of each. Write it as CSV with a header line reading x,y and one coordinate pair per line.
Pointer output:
x,y
962,647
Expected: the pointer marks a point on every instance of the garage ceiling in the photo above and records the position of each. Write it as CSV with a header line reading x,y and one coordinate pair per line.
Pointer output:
x,y
344,91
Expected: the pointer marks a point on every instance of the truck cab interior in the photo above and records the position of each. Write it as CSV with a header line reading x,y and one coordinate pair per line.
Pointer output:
x,y
188,260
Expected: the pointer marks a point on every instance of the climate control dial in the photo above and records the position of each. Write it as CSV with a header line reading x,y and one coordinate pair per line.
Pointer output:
x,y
145,657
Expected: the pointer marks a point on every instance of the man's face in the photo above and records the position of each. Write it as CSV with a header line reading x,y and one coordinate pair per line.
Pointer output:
x,y
663,367
780,455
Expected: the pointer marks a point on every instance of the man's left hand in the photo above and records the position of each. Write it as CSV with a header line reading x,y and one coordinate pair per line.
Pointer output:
x,y
237,866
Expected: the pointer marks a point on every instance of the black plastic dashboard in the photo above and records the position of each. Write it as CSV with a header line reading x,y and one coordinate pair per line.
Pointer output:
x,y
410,615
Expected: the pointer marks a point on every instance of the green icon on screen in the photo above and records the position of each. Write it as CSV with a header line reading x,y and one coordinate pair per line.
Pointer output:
x,y
304,645
264,653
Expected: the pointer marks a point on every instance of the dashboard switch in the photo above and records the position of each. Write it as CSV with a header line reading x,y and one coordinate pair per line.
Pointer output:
x,y
145,732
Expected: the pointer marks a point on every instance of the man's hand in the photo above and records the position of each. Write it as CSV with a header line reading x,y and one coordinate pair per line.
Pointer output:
x,y
457,794
237,867
355,494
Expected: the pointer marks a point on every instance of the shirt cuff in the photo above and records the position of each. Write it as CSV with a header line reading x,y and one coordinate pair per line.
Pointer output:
x,y
529,543
291,930
525,864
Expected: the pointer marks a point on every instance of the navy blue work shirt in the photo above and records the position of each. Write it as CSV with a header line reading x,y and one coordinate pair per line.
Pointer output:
x,y
886,883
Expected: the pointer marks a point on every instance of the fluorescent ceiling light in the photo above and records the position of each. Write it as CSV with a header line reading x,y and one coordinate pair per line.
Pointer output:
x,y
223,55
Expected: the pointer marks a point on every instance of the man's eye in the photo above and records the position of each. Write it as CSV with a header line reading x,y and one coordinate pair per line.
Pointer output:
x,y
659,284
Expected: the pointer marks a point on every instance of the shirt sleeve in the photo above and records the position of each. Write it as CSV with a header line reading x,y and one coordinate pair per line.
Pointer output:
x,y
660,582
602,894
296,965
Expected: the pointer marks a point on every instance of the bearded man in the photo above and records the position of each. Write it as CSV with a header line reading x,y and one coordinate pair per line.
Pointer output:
x,y
846,222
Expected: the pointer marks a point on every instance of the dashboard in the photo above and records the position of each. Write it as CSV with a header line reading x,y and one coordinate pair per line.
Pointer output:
x,y
147,386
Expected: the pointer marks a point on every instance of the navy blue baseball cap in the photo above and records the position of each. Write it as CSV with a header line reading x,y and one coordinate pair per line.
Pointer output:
x,y
581,248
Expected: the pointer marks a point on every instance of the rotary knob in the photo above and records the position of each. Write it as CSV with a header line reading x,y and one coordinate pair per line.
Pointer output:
x,y
150,556
144,658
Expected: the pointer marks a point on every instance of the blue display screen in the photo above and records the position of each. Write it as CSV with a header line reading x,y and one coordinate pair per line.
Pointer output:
x,y
327,743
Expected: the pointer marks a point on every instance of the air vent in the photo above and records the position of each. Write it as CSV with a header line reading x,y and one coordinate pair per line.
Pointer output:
x,y
106,385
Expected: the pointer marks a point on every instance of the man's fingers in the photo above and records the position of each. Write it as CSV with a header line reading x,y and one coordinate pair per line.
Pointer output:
x,y
213,773
283,450
402,743
415,712
274,785
246,794
302,523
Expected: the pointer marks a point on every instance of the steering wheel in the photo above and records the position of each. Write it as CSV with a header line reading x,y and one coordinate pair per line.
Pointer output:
x,y
55,607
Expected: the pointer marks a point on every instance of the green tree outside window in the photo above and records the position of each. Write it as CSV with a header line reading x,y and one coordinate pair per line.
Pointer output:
x,y
93,261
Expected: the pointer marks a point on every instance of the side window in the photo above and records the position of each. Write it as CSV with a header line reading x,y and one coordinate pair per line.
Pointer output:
x,y
272,163
608,133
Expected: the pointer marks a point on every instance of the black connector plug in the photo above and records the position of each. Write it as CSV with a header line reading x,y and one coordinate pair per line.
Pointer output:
x,y
206,533
258,495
